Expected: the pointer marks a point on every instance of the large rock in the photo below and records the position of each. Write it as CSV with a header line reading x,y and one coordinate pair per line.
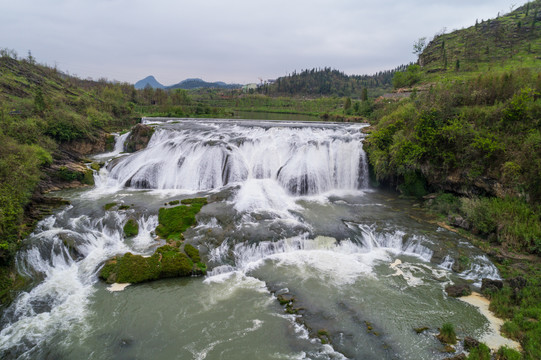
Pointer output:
x,y
459,221
458,290
139,137
470,343
491,286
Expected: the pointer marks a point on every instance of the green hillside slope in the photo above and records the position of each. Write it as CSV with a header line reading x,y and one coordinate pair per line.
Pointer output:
x,y
43,112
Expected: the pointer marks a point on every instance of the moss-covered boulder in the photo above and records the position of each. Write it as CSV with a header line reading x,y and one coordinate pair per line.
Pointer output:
x,y
139,137
174,263
168,261
131,228
171,260
175,220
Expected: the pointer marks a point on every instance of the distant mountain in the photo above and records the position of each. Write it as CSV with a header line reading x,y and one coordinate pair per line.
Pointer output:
x,y
149,80
189,84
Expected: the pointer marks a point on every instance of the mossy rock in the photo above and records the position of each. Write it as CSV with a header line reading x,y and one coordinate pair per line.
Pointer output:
x,y
131,228
110,143
124,207
174,202
324,336
95,166
192,252
109,206
139,137
174,263
135,268
168,261
194,201
174,221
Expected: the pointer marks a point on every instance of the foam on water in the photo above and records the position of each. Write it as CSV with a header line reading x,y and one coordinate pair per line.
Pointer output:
x,y
66,257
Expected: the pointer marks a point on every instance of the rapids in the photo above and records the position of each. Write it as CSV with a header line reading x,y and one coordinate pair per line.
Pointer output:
x,y
290,212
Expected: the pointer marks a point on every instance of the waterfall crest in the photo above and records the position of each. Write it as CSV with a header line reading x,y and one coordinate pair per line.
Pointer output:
x,y
304,160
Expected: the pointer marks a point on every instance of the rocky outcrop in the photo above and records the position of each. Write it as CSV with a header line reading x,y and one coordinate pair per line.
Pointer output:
x,y
168,261
101,143
470,343
490,286
459,221
139,137
175,259
458,290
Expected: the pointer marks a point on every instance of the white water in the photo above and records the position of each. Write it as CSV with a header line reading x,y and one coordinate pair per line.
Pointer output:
x,y
281,177
302,160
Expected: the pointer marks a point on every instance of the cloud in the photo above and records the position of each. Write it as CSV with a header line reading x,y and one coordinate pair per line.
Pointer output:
x,y
234,41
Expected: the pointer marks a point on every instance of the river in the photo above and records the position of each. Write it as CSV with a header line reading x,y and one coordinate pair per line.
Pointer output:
x,y
291,215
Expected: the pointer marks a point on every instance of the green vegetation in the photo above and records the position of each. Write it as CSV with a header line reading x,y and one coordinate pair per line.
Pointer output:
x,y
192,253
174,221
481,352
505,353
471,132
131,228
319,82
520,302
167,261
109,206
447,334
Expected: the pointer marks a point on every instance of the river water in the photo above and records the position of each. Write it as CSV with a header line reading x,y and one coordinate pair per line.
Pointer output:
x,y
290,214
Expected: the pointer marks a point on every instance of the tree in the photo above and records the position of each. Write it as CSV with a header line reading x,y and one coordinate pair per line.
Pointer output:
x,y
364,95
347,105
419,46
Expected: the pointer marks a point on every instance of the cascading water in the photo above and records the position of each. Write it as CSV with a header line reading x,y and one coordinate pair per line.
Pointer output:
x,y
290,212
302,159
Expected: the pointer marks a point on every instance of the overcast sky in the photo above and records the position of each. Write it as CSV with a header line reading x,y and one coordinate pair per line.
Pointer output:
x,y
229,40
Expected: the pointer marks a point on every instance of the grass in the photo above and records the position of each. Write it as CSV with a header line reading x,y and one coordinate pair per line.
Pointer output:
x,y
447,334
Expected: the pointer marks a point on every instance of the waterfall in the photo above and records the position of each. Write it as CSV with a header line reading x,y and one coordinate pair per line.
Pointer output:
x,y
286,208
304,159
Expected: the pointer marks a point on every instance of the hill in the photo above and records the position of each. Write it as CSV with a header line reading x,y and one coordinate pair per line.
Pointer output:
x,y
190,84
327,82
148,81
48,120
509,40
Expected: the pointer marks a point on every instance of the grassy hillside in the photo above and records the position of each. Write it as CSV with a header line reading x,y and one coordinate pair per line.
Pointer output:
x,y
41,111
509,41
